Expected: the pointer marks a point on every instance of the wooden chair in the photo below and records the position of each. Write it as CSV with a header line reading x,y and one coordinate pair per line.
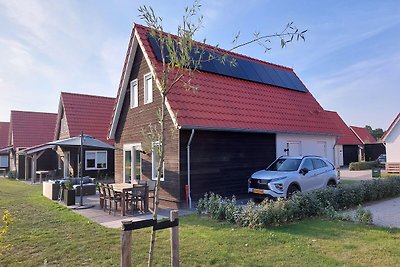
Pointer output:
x,y
115,198
101,195
152,190
137,196
106,196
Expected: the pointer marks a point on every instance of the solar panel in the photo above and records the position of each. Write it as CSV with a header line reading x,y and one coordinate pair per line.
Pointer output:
x,y
243,69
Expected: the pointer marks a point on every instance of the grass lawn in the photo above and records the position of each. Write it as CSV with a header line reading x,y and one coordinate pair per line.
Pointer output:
x,y
44,230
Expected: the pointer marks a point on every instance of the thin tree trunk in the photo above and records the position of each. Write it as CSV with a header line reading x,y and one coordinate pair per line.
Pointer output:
x,y
157,189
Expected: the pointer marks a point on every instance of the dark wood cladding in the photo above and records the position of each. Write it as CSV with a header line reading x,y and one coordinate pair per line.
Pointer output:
x,y
350,154
130,128
222,162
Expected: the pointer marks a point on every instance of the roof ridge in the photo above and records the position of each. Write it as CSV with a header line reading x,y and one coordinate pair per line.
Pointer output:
x,y
224,50
79,94
36,112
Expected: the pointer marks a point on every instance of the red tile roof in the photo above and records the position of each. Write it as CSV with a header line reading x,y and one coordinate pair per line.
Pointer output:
x,y
396,120
347,136
88,113
31,128
4,128
229,103
363,135
223,102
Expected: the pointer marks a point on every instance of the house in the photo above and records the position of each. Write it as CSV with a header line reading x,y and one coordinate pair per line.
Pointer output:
x,y
348,145
371,148
391,139
238,121
29,129
89,114
4,149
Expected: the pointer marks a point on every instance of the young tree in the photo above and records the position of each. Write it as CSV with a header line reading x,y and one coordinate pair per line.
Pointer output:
x,y
181,57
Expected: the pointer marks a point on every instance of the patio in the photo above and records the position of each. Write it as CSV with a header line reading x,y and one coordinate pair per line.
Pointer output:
x,y
96,214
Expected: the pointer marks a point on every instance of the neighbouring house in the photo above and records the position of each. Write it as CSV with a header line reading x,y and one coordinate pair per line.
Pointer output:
x,y
30,129
391,139
348,145
4,148
237,122
371,148
91,115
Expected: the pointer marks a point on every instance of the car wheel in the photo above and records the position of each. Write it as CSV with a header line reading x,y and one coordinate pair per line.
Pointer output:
x,y
331,183
292,190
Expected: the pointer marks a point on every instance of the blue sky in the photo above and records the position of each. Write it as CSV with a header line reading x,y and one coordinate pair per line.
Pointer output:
x,y
350,60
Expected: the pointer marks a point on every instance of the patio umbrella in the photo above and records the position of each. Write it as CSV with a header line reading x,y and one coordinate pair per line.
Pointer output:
x,y
81,142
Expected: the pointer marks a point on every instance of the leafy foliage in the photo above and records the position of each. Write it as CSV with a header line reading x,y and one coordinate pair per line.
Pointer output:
x,y
363,165
323,202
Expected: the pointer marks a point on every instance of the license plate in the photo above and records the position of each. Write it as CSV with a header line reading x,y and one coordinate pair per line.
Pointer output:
x,y
258,191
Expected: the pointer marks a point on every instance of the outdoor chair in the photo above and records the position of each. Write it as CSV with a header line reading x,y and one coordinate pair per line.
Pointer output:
x,y
101,195
114,198
106,196
151,185
137,196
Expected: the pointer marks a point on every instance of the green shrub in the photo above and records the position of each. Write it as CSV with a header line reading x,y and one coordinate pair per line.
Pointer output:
x,y
363,165
323,202
363,216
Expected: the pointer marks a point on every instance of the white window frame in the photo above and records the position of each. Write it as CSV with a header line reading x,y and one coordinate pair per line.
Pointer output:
x,y
148,94
134,148
134,86
95,159
4,156
154,164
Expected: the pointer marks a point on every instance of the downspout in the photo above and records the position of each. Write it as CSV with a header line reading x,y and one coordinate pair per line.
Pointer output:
x,y
188,167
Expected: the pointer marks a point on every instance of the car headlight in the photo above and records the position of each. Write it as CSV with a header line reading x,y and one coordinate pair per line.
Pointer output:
x,y
279,186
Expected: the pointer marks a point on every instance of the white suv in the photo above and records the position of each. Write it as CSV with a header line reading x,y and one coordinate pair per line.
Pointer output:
x,y
288,175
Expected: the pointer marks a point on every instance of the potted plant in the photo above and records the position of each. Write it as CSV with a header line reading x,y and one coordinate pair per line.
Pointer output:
x,y
69,194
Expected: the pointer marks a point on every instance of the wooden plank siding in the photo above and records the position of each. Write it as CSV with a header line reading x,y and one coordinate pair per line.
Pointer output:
x,y
130,128
222,162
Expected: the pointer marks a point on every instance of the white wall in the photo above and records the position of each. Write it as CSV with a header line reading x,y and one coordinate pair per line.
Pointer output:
x,y
393,145
318,145
338,155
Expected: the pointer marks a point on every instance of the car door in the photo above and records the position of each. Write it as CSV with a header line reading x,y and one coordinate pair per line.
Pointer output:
x,y
321,173
307,181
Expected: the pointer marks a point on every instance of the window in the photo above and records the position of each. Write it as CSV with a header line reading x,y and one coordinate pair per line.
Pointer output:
x,y
148,88
285,165
134,94
132,163
319,163
3,161
308,164
155,159
96,160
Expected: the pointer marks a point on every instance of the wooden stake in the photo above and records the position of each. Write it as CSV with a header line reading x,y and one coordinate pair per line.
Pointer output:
x,y
126,248
174,240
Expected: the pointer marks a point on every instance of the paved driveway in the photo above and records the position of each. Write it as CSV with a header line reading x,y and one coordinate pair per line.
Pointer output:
x,y
386,213
345,174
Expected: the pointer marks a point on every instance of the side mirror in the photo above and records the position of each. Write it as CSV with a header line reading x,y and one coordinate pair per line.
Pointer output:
x,y
304,171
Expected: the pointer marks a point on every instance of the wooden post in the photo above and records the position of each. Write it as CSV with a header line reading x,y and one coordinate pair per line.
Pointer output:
x,y
34,167
174,240
26,167
126,247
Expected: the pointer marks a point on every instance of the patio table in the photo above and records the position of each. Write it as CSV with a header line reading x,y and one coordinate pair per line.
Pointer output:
x,y
124,188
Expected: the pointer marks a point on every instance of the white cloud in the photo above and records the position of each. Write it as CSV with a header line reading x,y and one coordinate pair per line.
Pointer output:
x,y
361,92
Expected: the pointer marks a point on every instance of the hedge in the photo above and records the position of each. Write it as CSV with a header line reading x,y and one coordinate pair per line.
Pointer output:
x,y
321,202
363,165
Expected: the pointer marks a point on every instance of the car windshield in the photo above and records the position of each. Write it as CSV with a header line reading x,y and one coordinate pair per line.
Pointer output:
x,y
285,165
